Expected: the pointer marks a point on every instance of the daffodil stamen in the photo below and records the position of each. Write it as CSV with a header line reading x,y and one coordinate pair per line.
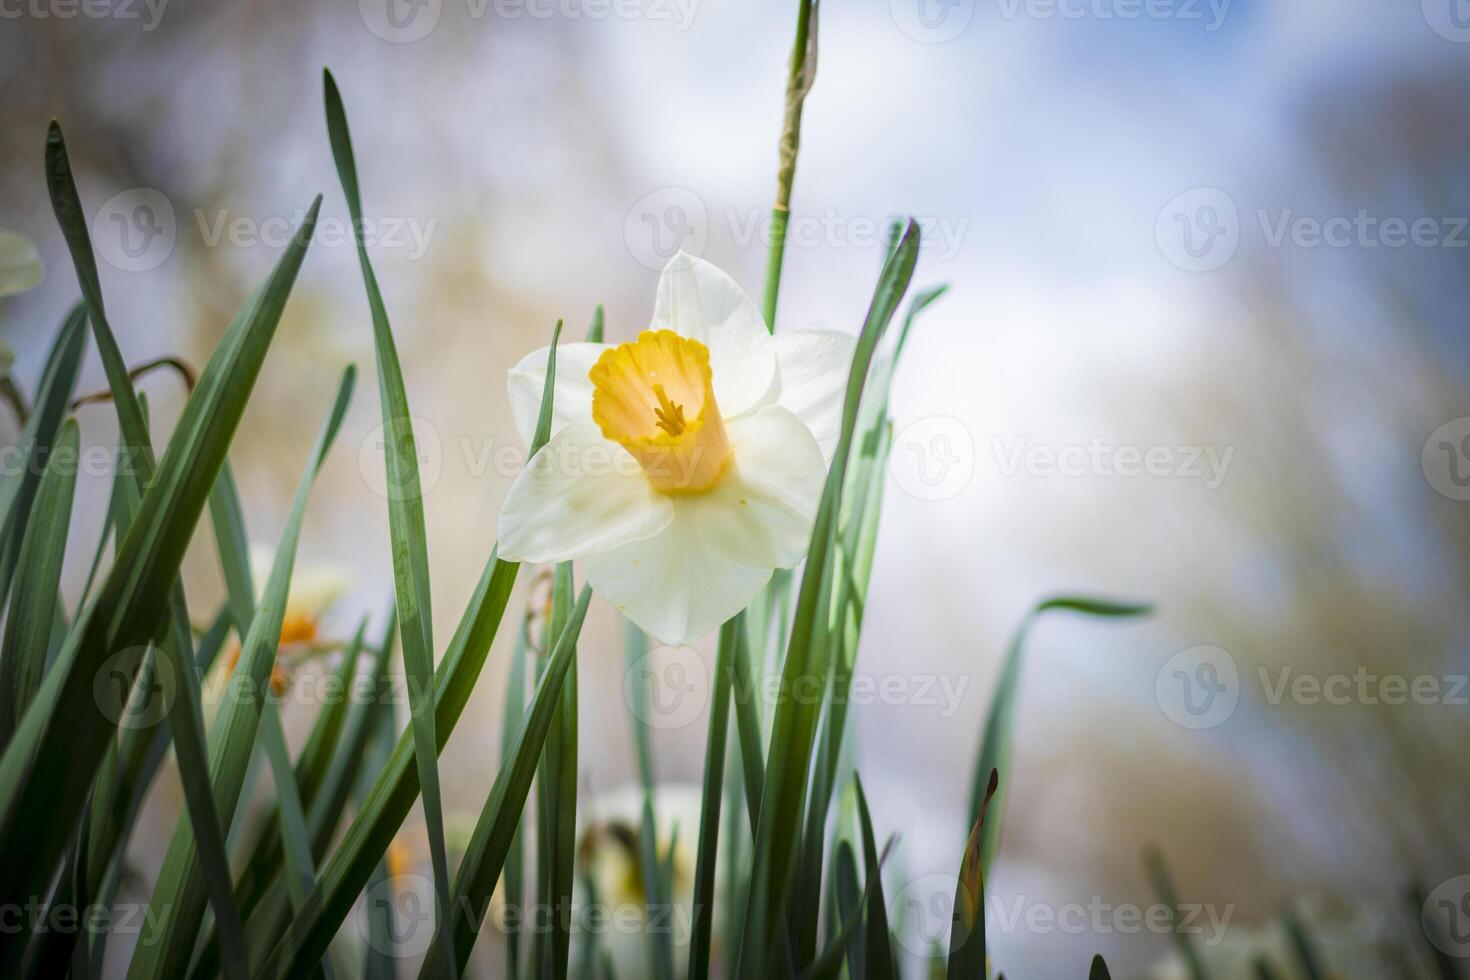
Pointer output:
x,y
670,415
655,397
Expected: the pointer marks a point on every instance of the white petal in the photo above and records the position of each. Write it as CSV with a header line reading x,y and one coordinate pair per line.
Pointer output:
x,y
20,264
769,498
572,398
671,585
580,495
721,546
696,299
813,365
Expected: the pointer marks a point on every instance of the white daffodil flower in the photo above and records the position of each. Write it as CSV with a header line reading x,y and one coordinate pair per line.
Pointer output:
x,y
686,466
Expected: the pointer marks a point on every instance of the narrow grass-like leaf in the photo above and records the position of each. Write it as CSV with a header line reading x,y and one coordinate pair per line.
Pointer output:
x,y
312,767
19,481
878,952
1304,946
660,944
326,731
175,899
138,755
853,564
546,778
122,501
1000,720
369,720
360,754
656,898
1099,969
49,764
121,786
485,858
378,961
803,73
794,727
292,817
635,648
352,863
748,729
405,515
510,721
709,813
1164,891
587,948
233,545
849,909
736,852
828,965
559,779
967,930
33,607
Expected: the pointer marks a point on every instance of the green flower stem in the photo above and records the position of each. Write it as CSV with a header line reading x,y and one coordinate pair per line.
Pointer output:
x,y
798,84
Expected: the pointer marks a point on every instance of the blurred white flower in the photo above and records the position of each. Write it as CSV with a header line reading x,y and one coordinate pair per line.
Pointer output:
x,y
683,467
314,588
20,263
608,843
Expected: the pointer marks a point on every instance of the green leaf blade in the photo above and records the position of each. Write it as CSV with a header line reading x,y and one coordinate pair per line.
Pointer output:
x,y
405,514
34,606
